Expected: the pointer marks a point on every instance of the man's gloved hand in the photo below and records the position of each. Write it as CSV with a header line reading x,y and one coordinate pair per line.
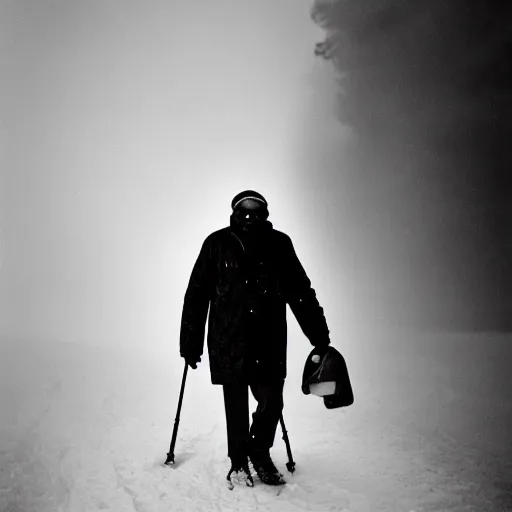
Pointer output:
x,y
319,352
193,361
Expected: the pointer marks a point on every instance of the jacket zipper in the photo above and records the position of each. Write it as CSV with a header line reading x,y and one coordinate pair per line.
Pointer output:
x,y
238,240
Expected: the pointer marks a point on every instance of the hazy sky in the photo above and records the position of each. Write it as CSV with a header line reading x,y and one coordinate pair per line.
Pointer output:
x,y
127,127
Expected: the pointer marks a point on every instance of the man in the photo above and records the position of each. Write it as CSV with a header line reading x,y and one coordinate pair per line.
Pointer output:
x,y
246,274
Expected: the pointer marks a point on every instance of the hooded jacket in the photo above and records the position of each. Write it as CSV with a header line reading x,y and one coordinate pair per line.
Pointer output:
x,y
245,282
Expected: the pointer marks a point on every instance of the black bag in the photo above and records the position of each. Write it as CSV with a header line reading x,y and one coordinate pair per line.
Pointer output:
x,y
330,369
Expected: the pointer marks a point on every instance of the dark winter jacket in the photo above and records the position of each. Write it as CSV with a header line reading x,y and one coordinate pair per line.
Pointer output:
x,y
246,284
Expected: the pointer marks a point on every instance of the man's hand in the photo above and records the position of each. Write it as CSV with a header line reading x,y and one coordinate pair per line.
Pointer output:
x,y
319,352
193,361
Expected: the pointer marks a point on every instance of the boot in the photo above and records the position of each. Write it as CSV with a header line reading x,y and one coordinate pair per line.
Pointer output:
x,y
241,472
265,468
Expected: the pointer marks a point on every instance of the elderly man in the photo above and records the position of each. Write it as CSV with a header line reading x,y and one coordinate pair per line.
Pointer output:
x,y
246,274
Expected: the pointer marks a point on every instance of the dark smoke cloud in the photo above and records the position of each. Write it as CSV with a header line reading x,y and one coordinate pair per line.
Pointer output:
x,y
425,87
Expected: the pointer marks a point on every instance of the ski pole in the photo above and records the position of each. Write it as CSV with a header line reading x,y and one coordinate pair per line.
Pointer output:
x,y
290,465
170,455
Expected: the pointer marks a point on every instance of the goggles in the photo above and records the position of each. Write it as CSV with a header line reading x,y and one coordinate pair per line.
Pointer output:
x,y
252,215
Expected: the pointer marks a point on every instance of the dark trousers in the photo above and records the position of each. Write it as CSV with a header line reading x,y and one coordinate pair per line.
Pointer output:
x,y
261,434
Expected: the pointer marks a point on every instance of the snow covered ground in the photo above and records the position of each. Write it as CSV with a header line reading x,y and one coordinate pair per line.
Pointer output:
x,y
86,429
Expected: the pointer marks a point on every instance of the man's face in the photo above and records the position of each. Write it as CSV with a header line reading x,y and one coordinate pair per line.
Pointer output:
x,y
251,214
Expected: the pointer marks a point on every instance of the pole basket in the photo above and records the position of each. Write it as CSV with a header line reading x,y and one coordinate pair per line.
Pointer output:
x,y
170,459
